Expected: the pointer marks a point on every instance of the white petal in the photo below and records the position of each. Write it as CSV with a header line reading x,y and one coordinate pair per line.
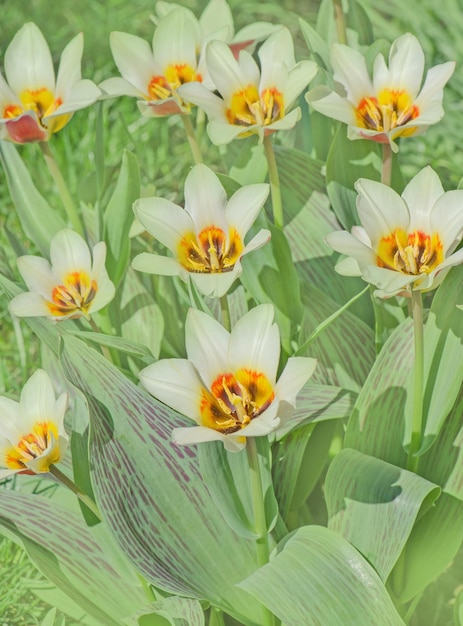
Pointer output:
x,y
37,274
69,253
245,205
176,38
433,86
205,198
381,209
279,47
176,383
298,79
406,65
389,281
28,61
105,293
350,70
216,285
29,305
164,220
262,237
37,399
286,122
134,60
216,16
421,194
255,342
11,428
6,95
156,264
120,87
263,424
199,95
222,132
274,76
81,95
348,267
200,434
225,71
447,218
69,72
297,372
345,243
331,104
206,345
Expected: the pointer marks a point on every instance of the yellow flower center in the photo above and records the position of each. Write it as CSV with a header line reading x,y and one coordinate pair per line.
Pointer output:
x,y
210,251
414,253
32,446
392,108
74,296
43,103
235,399
161,87
248,109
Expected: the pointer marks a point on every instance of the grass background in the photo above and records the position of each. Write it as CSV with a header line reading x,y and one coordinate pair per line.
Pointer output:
x,y
165,161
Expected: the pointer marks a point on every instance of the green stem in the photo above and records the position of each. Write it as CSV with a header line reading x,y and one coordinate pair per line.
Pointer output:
x,y
274,182
225,312
260,525
415,443
67,482
63,190
340,20
191,136
386,171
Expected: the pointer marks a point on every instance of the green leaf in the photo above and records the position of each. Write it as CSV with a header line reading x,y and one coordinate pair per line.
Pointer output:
x,y
316,44
118,217
151,493
319,578
344,350
316,403
377,422
433,544
226,476
374,505
38,220
173,610
118,343
300,459
443,339
60,545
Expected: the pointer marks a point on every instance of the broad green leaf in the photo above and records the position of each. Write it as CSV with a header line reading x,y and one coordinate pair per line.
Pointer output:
x,y
319,578
118,343
374,505
317,403
226,476
377,422
433,544
119,215
173,610
299,460
316,44
443,339
344,350
38,220
60,545
151,493
51,619
358,20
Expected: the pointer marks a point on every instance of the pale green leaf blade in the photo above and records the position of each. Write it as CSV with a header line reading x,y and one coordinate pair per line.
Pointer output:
x,y
172,610
150,491
374,505
58,542
319,578
38,220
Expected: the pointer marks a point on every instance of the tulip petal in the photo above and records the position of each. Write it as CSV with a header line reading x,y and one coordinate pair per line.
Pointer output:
x,y
134,60
205,198
206,345
164,220
245,205
156,264
28,61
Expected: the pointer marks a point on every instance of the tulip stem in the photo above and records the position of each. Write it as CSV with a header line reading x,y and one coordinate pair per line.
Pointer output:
x,y
67,482
260,525
386,171
191,136
340,20
63,190
274,182
415,442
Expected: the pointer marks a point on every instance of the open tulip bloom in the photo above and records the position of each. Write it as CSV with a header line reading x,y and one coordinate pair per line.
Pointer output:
x,y
228,385
390,104
153,75
406,242
70,286
252,99
32,435
207,237
33,105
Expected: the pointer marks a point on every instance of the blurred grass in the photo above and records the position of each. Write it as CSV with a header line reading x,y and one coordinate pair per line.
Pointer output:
x,y
165,164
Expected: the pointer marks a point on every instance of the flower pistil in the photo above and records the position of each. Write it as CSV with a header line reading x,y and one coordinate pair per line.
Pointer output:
x,y
413,254
248,109
209,251
77,293
392,108
33,445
